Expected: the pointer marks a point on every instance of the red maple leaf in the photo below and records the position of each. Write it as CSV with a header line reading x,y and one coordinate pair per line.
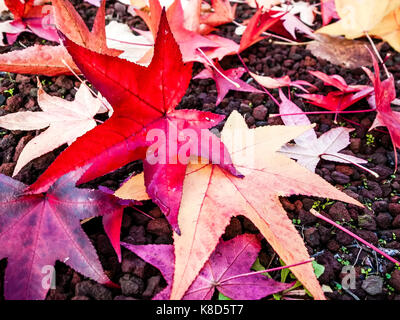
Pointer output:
x,y
144,101
31,18
337,100
384,94
226,80
38,230
328,11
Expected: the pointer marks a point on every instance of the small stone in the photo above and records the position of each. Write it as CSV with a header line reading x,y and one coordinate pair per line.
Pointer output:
x,y
333,246
395,280
373,285
158,227
338,212
340,177
233,229
123,298
306,217
348,171
137,235
80,298
367,221
287,205
394,209
133,264
396,222
368,236
380,206
312,237
13,103
7,141
64,82
355,145
152,284
260,112
384,220
245,108
156,212
22,79
131,285
343,238
7,168
95,291
120,8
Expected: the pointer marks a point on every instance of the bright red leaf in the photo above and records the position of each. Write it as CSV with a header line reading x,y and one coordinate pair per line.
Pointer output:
x,y
144,101
226,270
230,80
337,100
38,230
385,93
31,18
328,11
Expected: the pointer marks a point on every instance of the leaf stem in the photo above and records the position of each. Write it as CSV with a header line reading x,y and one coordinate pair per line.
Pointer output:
x,y
319,112
318,215
377,54
211,64
352,162
84,83
262,87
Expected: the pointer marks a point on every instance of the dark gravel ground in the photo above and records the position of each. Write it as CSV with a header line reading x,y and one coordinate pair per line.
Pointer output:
x,y
378,222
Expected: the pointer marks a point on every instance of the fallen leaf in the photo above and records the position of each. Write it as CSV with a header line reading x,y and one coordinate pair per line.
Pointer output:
x,y
189,41
309,149
38,59
385,93
29,17
66,121
389,29
38,230
221,13
337,100
259,23
350,54
121,37
266,4
227,270
144,101
358,17
52,60
328,11
274,83
268,175
224,85
304,9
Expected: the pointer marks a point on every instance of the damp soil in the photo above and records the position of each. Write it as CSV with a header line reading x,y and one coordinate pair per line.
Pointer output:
x,y
378,222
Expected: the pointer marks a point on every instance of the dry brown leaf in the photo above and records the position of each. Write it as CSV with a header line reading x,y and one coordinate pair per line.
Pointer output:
x,y
340,51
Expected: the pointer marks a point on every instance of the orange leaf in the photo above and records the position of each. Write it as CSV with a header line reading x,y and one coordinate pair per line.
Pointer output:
x,y
45,60
211,197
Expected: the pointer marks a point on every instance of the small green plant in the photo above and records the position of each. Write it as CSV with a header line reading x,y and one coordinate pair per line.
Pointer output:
x,y
370,139
296,221
318,205
344,262
10,91
382,242
366,271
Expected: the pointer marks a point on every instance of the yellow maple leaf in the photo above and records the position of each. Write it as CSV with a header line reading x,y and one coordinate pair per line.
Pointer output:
x,y
360,16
